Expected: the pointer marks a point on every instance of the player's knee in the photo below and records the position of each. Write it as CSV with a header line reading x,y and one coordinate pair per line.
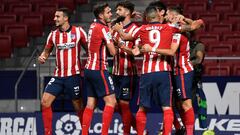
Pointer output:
x,y
45,103
187,104
110,100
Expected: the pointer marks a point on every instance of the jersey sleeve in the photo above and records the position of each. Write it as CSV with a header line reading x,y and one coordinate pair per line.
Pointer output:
x,y
176,38
107,37
135,34
83,39
49,43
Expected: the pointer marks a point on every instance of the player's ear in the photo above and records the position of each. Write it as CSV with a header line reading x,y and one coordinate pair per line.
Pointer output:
x,y
101,16
162,12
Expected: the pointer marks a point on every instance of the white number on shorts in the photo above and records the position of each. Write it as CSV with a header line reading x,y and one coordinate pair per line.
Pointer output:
x,y
51,81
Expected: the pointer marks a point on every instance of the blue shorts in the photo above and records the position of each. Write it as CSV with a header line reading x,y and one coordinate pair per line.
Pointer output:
x,y
183,85
155,87
68,85
98,83
124,86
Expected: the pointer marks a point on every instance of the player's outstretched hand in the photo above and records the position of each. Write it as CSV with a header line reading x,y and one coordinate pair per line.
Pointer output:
x,y
146,48
137,15
42,59
197,24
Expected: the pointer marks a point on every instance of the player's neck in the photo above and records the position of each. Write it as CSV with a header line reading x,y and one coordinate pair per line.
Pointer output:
x,y
126,21
101,20
65,27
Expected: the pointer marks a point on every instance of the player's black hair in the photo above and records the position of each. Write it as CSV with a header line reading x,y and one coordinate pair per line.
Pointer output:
x,y
98,9
159,5
66,12
126,4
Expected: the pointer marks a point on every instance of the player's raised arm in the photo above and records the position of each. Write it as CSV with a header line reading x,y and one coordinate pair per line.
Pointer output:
x,y
195,25
119,28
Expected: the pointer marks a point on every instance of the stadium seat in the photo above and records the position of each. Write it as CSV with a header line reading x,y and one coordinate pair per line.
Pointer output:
x,y
188,15
195,7
213,70
11,1
81,1
6,46
236,70
208,37
20,8
19,34
220,50
233,17
66,3
220,28
7,19
37,1
2,8
209,17
222,6
47,10
34,22
232,37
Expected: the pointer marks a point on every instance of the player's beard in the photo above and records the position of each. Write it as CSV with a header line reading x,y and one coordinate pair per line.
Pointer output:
x,y
118,19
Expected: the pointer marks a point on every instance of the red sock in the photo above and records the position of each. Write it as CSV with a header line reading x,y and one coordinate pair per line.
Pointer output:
x,y
141,120
167,121
106,119
87,118
126,117
181,113
189,121
80,115
47,120
133,122
176,122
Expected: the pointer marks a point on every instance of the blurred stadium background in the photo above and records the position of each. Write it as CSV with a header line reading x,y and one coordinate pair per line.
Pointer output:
x,y
25,24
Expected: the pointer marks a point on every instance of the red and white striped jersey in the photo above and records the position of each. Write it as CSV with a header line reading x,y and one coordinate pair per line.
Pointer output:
x,y
158,36
124,63
67,50
182,62
98,37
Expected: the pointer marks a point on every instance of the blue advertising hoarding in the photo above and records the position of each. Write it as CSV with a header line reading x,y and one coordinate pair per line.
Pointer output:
x,y
223,108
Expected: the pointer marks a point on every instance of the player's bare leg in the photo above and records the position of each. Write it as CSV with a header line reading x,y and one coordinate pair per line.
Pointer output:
x,y
78,106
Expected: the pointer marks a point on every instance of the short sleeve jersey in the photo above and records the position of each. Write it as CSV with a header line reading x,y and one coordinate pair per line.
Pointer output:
x,y
98,37
67,44
158,36
124,63
182,62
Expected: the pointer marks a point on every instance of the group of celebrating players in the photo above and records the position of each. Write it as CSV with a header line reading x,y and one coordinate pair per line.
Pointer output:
x,y
166,68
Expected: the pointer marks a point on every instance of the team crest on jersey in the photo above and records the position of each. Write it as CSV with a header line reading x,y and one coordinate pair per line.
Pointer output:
x,y
73,36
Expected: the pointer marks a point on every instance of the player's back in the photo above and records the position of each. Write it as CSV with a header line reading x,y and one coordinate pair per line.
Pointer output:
x,y
158,36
